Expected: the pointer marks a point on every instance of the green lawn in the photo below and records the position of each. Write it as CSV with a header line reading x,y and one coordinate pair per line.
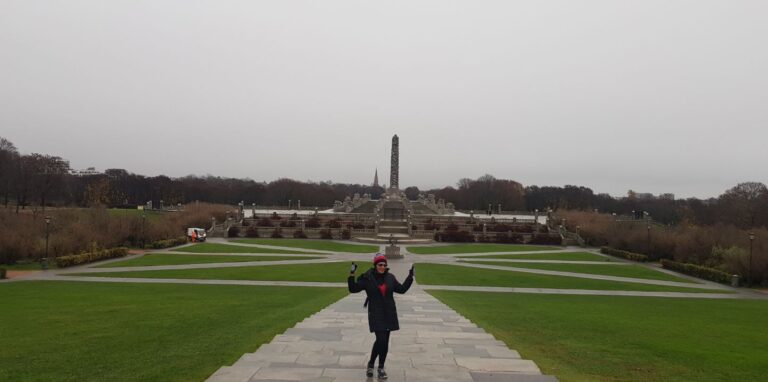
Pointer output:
x,y
28,266
569,256
172,259
76,331
442,274
324,245
324,272
225,248
631,270
476,248
611,338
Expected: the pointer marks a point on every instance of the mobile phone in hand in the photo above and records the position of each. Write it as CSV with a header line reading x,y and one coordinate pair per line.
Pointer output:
x,y
353,268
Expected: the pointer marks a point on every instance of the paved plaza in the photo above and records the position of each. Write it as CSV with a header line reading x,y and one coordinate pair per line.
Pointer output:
x,y
434,344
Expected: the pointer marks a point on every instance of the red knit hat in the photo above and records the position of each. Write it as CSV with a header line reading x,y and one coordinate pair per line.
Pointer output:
x,y
379,259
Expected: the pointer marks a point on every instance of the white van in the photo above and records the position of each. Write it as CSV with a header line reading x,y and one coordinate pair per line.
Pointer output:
x,y
196,234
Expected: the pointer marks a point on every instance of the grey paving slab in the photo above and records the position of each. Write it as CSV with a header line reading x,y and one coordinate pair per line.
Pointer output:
x,y
334,345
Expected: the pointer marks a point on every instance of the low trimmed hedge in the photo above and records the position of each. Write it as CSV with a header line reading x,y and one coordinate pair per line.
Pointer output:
x,y
694,270
89,257
2,273
546,239
624,254
160,244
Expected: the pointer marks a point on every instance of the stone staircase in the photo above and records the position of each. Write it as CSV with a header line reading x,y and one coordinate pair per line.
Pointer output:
x,y
387,227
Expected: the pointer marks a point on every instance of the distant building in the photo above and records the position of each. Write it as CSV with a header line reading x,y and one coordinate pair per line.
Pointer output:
x,y
87,172
667,196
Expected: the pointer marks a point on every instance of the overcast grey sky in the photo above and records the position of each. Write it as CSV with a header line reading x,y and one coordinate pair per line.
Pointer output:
x,y
654,96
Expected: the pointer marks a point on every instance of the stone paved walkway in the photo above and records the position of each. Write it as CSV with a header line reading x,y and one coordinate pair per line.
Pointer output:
x,y
434,344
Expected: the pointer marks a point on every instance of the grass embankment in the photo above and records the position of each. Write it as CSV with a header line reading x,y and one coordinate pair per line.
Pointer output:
x,y
568,256
323,245
73,331
476,248
629,270
441,274
225,248
322,272
172,259
611,338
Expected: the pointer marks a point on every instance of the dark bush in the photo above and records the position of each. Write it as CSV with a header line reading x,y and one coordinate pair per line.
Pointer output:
x,y
455,236
623,254
160,244
346,235
697,271
546,239
326,234
500,228
2,273
252,231
277,234
333,223
509,239
313,222
85,258
275,216
264,222
233,232
523,228
245,223
299,234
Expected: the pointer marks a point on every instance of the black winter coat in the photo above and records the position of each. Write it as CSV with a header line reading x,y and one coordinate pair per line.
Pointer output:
x,y
382,313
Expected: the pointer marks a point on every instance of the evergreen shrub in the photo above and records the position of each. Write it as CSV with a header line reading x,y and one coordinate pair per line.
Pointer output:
x,y
705,273
89,257
160,244
624,254
252,231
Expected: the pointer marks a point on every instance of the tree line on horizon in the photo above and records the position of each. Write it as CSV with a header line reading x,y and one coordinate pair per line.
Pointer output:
x,y
44,180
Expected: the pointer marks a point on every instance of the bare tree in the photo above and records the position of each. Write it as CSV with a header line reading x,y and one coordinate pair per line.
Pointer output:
x,y
8,156
47,173
744,203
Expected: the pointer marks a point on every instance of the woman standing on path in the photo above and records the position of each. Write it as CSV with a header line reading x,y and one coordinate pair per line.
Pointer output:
x,y
379,285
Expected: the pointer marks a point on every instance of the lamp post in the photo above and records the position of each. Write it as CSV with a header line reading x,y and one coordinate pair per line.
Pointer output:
x,y
749,276
648,241
44,262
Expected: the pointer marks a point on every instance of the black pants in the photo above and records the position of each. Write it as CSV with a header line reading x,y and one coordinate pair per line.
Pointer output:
x,y
380,348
